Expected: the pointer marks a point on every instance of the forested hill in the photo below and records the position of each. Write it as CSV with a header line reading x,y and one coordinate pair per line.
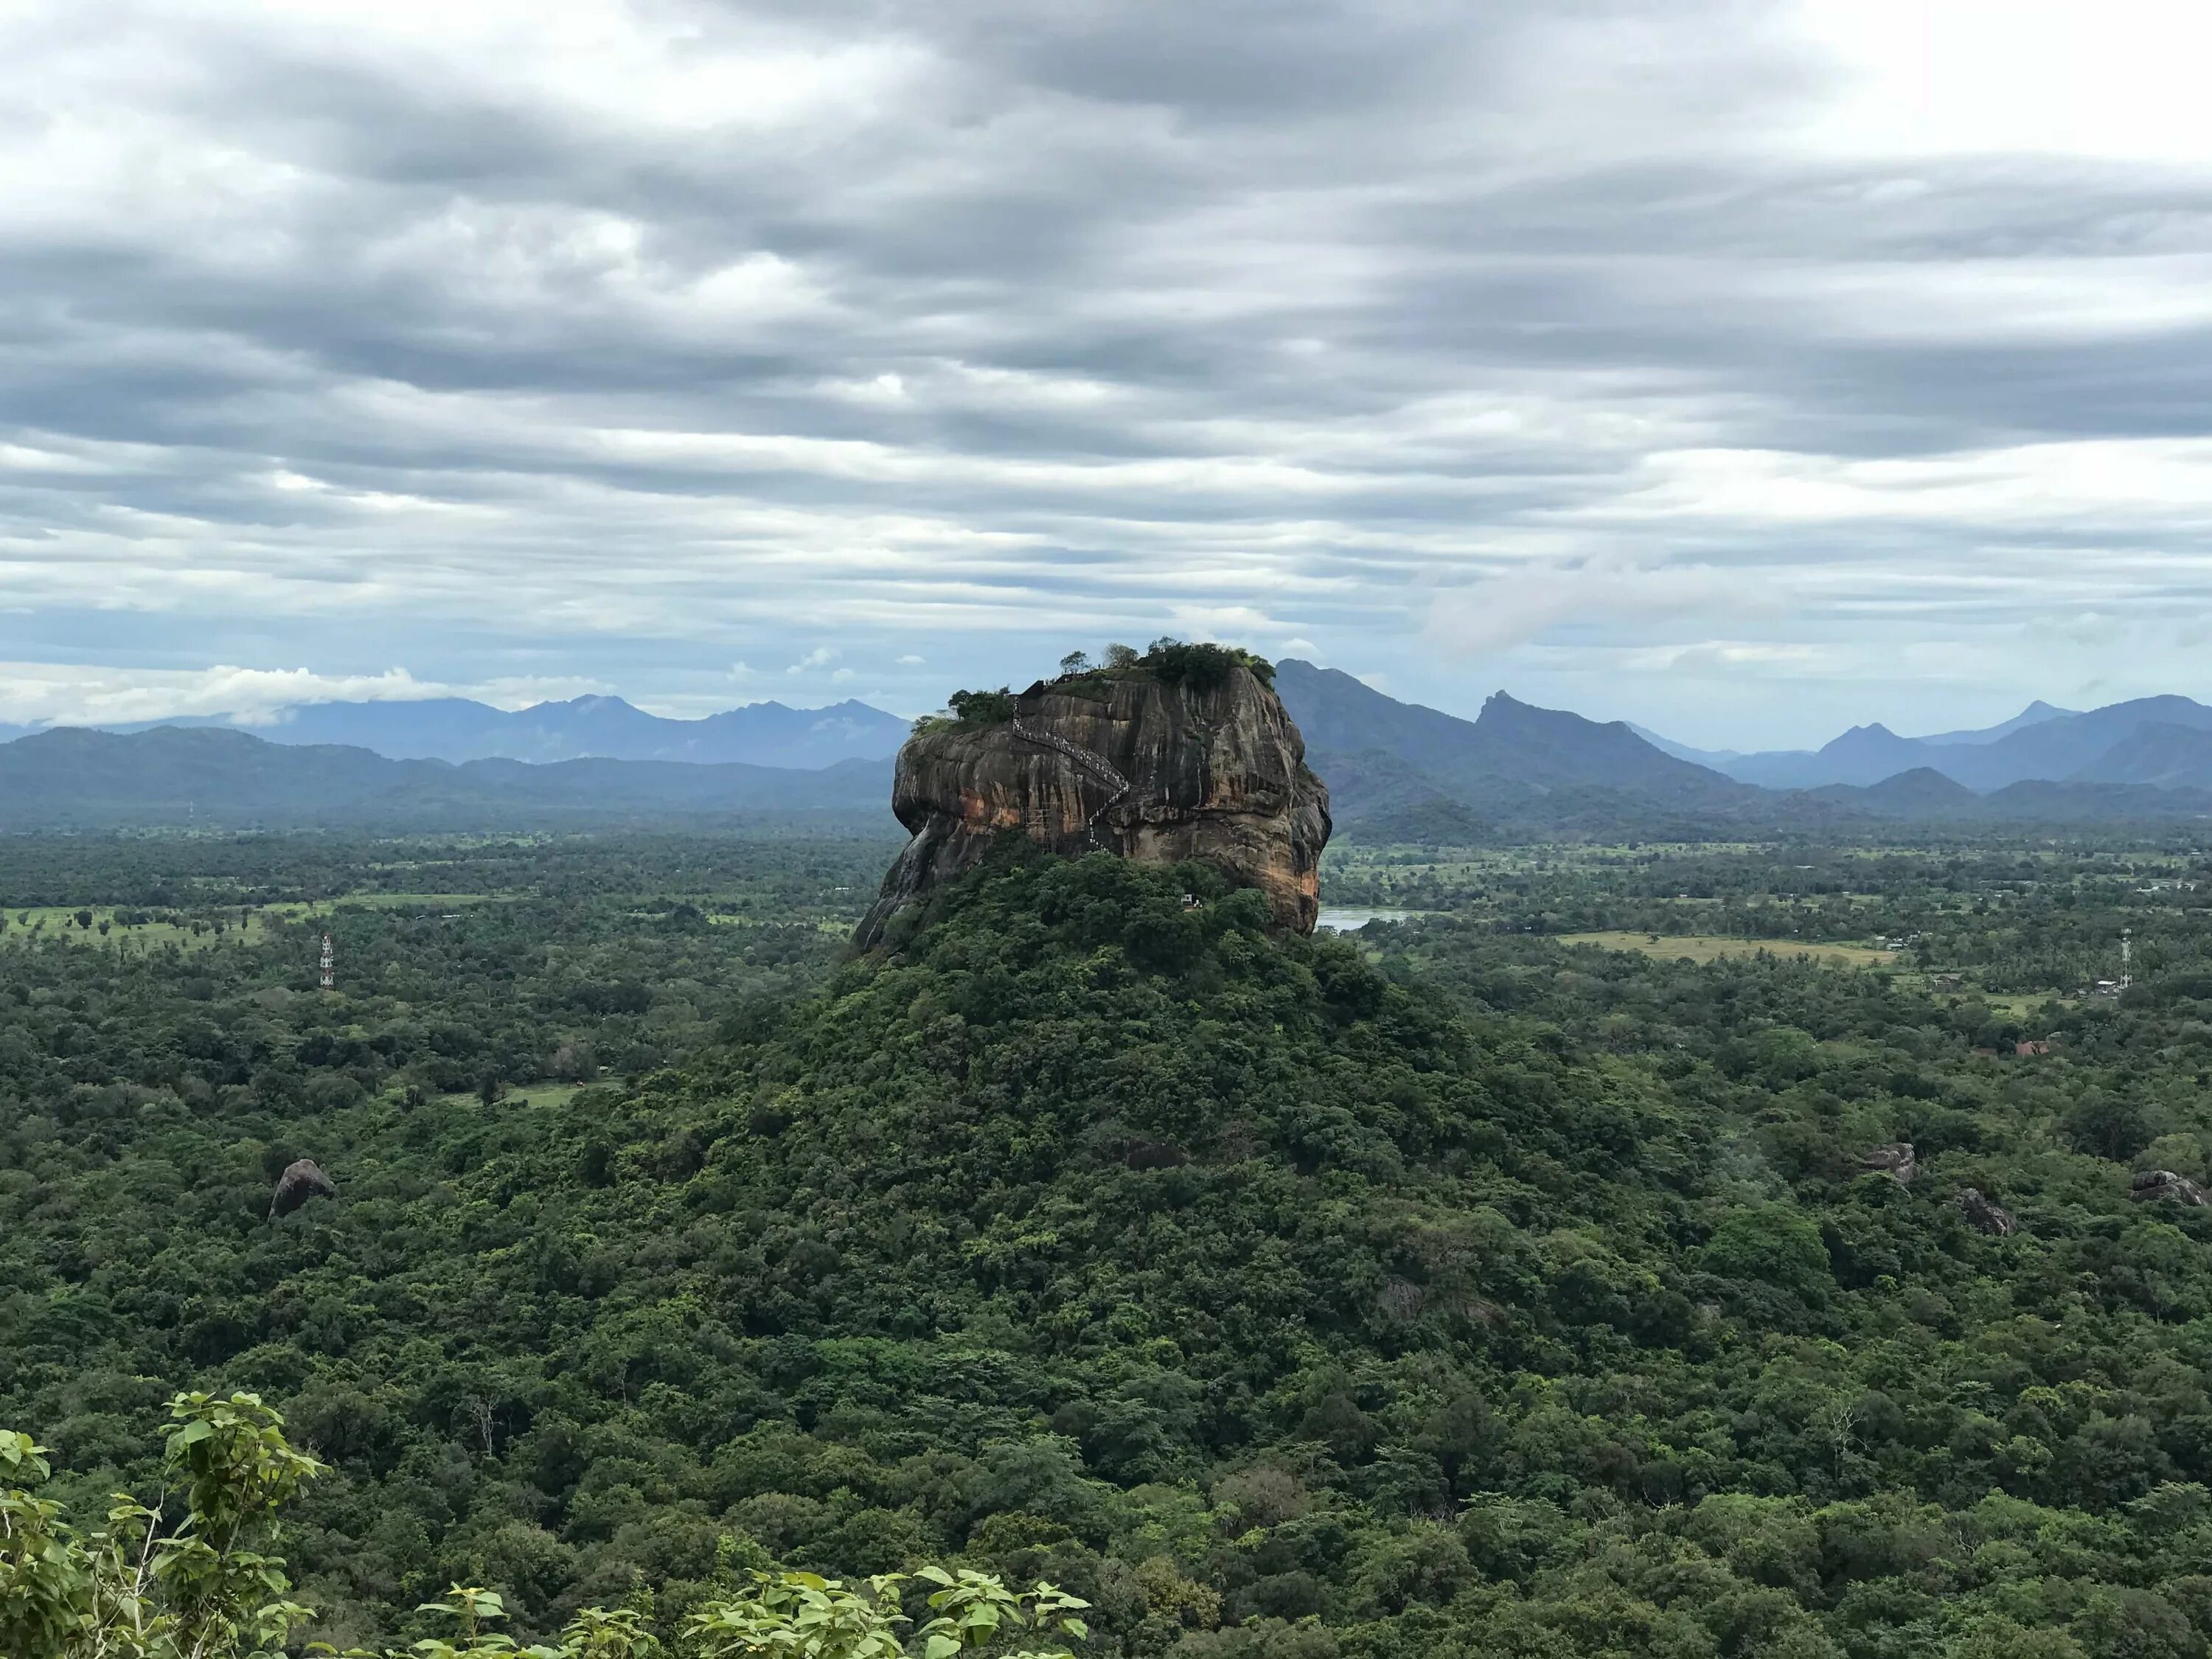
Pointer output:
x,y
1279,1304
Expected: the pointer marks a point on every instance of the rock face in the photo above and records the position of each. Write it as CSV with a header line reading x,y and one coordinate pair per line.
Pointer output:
x,y
1895,1160
1123,762
2148,1184
1984,1214
300,1183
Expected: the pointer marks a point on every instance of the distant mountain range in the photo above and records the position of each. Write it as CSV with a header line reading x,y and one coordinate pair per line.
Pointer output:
x,y
457,730
181,776
2162,742
1398,763
1400,771
1395,771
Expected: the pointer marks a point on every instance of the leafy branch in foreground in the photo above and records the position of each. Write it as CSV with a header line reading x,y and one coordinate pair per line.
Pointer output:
x,y
131,1590
800,1614
787,1615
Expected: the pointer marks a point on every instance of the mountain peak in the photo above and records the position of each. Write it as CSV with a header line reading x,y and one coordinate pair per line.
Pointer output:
x,y
1510,753
597,727
590,703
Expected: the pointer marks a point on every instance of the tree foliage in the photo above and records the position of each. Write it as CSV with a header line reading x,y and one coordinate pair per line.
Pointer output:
x,y
1447,1290
136,1588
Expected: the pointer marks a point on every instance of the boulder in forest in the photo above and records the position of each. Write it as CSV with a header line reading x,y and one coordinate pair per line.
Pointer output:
x,y
1985,1215
1894,1160
301,1182
1185,754
2148,1184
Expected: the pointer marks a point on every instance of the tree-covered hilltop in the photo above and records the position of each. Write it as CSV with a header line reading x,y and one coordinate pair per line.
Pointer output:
x,y
1487,1299
1200,667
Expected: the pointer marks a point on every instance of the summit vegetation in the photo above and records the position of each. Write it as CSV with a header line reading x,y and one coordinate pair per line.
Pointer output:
x,y
1200,667
1444,1289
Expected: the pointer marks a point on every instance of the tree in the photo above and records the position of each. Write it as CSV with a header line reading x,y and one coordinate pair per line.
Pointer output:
x,y
1075,662
798,1615
1769,1244
982,707
2106,1125
201,1589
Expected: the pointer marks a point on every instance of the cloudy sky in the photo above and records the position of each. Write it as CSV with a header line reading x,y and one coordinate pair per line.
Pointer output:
x,y
1745,369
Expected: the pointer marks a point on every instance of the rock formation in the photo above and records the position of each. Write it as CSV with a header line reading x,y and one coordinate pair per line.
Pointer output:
x,y
1125,761
2148,1184
301,1182
1895,1160
1984,1214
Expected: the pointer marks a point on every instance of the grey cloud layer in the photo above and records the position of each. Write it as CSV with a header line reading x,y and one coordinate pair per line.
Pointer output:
x,y
741,327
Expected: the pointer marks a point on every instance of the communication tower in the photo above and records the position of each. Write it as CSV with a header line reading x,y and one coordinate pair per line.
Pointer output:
x,y
2127,953
330,965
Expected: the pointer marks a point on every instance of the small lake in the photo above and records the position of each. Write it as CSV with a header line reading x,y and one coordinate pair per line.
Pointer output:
x,y
1349,918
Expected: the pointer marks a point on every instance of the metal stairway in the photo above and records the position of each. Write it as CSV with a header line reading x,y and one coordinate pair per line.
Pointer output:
x,y
1096,764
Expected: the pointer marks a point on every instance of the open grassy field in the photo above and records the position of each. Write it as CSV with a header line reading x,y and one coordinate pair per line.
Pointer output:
x,y
1702,947
525,1095
2026,1006
388,902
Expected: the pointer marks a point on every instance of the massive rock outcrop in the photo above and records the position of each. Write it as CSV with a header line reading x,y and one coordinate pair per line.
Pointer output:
x,y
1123,761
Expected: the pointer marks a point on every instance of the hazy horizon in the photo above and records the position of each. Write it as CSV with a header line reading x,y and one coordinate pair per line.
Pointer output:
x,y
1748,369
274,717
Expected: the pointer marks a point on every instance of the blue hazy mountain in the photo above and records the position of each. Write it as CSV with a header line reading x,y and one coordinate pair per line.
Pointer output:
x,y
1808,762
2040,744
2055,750
2161,754
1414,773
2034,714
71,778
457,730
450,762
1510,756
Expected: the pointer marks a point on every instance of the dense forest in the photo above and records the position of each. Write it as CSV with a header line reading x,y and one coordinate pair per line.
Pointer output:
x,y
1446,1288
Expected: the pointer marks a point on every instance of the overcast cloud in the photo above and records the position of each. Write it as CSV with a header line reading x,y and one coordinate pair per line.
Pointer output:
x,y
1743,369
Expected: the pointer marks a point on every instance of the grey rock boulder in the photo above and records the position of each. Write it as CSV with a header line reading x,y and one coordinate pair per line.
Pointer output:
x,y
2148,1184
1895,1160
301,1182
1984,1214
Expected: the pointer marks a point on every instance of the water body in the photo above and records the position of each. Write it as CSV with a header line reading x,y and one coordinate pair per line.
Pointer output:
x,y
1348,919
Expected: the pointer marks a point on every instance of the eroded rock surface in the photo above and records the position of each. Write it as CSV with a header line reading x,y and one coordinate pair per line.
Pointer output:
x,y
1125,763
301,1182
1984,1214
2149,1184
1894,1160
